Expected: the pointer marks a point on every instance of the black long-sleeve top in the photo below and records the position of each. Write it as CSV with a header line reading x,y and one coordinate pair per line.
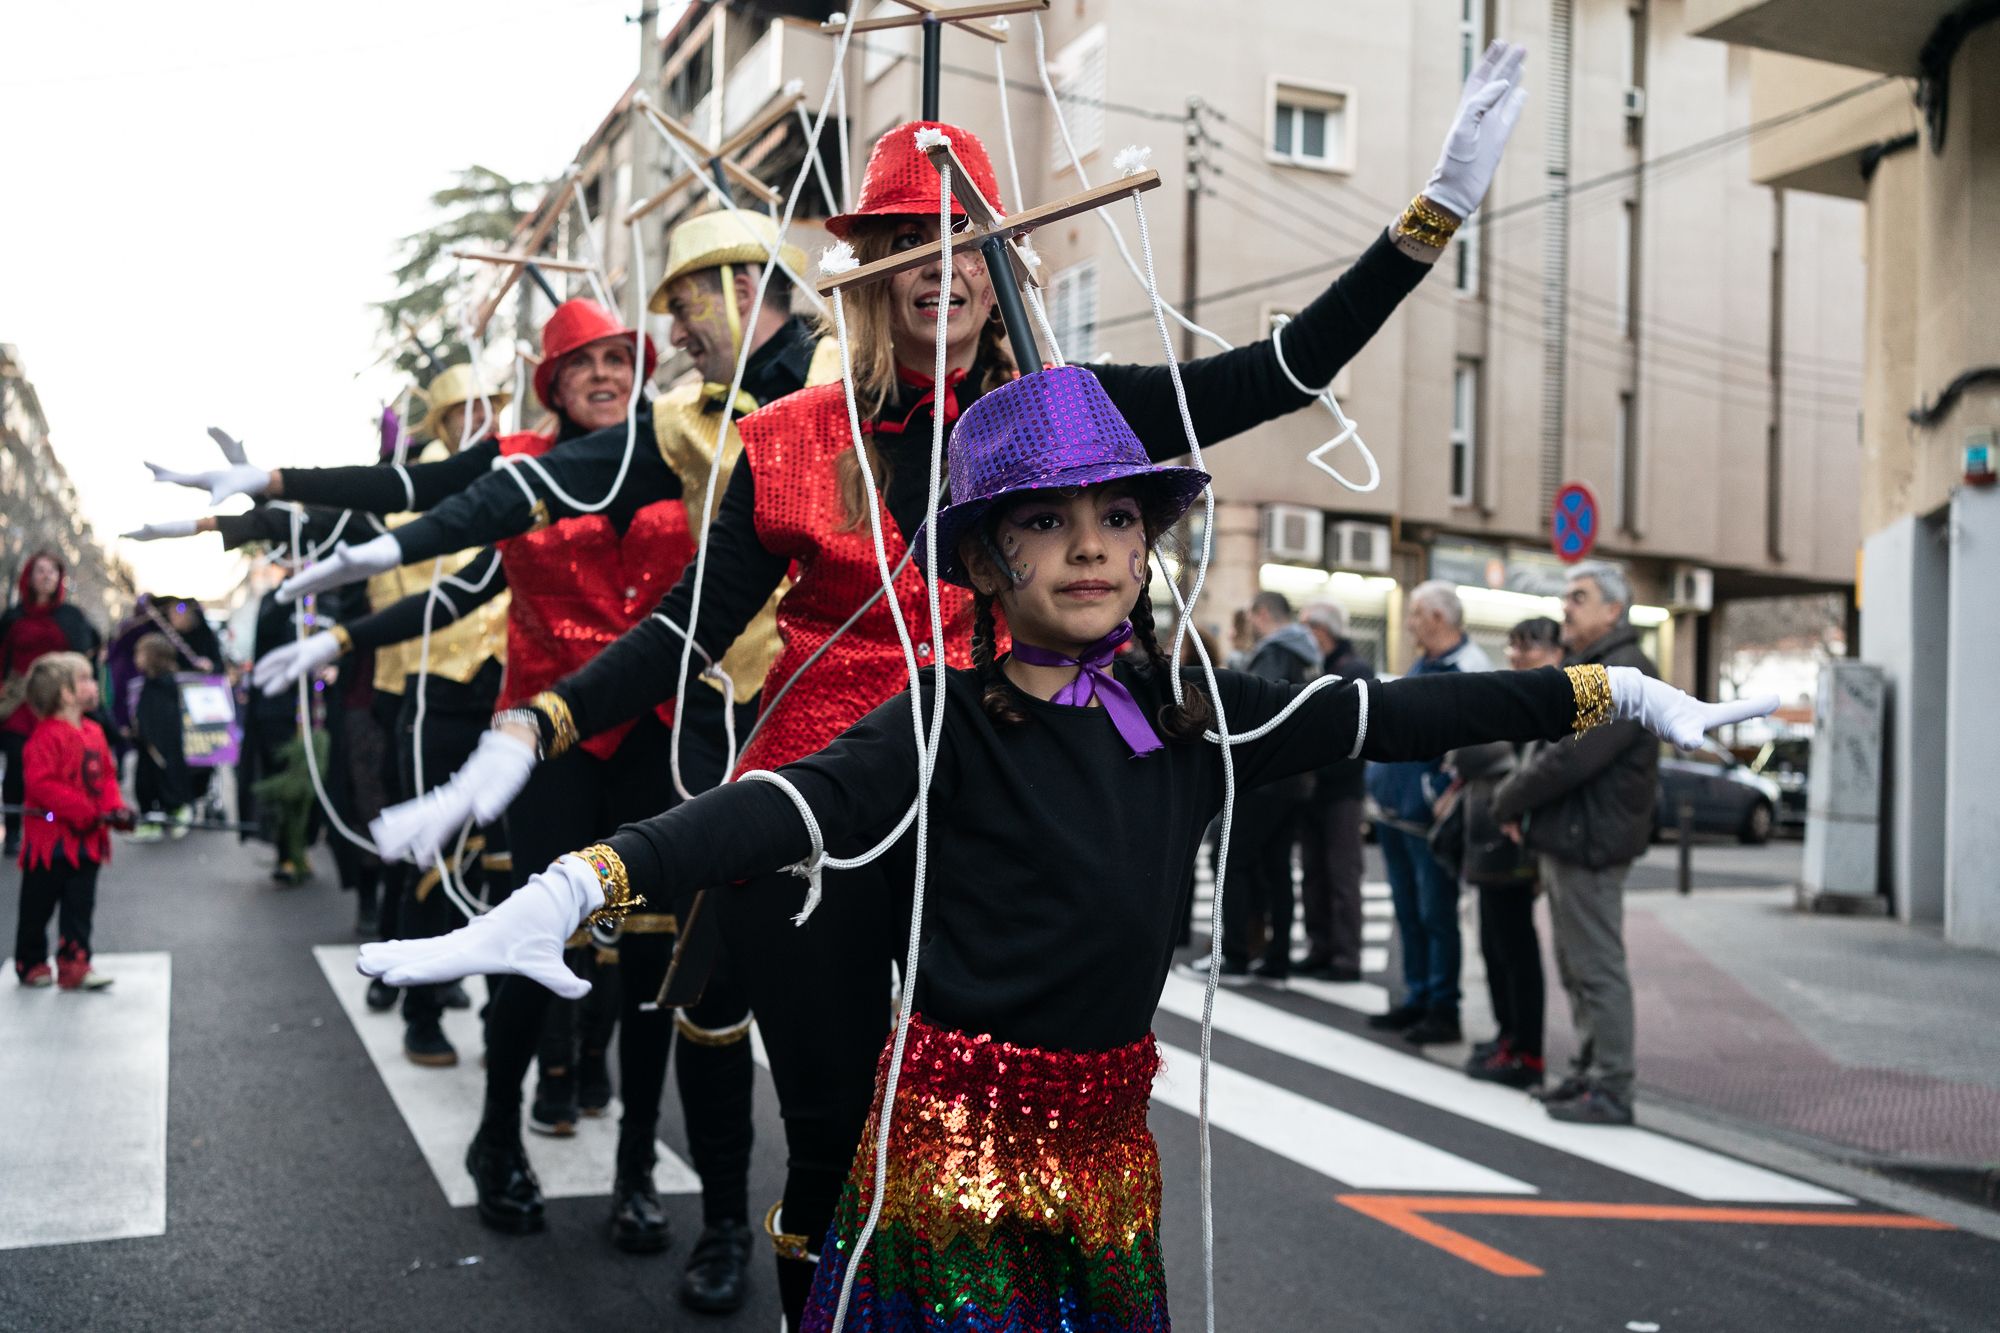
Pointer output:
x,y
376,489
1226,394
272,523
1060,864
475,583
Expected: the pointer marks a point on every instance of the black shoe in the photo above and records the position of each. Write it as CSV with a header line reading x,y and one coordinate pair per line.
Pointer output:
x,y
381,996
452,996
425,1044
593,1084
554,1109
1507,1068
1592,1106
1266,969
1328,972
1398,1018
1571,1086
367,923
1437,1028
1482,1050
510,1198
638,1222
717,1276
1232,974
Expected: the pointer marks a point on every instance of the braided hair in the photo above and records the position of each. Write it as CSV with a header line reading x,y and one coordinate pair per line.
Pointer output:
x,y
994,696
1184,721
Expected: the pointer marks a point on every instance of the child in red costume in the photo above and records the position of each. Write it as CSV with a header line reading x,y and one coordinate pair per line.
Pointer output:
x,y
71,793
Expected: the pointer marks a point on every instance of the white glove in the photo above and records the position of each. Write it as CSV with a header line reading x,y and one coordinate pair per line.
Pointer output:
x,y
523,935
152,532
1488,106
1672,715
349,564
236,479
280,669
232,448
481,791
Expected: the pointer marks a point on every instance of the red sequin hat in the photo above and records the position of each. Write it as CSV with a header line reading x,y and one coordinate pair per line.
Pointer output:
x,y
574,324
901,180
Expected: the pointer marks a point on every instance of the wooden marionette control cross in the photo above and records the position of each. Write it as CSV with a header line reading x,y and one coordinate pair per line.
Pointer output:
x,y
551,208
964,17
721,158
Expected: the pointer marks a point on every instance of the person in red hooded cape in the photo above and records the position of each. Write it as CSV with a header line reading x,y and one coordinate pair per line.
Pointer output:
x,y
41,621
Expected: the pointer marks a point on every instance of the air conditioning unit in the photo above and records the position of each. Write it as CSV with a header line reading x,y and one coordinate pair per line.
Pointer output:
x,y
1635,103
1359,546
1294,533
1691,588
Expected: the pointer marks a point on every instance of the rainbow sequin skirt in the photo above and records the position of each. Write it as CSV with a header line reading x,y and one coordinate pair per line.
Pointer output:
x,y
1023,1193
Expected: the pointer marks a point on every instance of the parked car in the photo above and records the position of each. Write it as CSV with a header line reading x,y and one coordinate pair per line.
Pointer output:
x,y
1786,761
1725,796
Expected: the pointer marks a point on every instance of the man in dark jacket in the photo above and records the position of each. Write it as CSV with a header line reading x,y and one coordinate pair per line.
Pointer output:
x,y
1330,825
1260,843
1585,805
1424,893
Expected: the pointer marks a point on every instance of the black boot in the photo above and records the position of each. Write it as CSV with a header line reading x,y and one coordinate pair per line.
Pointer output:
x,y
1439,1027
381,996
424,1043
638,1222
716,1280
593,1084
510,1198
553,1112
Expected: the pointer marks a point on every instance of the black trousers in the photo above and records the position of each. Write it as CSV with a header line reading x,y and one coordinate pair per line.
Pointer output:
x,y
569,803
59,885
386,711
1260,875
1330,861
11,783
455,717
1513,953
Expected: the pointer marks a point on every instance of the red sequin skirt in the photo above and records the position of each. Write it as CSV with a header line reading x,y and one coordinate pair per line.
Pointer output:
x,y
1023,1193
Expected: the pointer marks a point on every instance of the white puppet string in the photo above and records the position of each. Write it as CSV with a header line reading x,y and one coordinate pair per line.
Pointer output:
x,y
727,414
1349,432
299,616
595,274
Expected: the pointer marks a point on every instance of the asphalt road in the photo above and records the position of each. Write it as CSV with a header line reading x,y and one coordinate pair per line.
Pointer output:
x,y
1355,1186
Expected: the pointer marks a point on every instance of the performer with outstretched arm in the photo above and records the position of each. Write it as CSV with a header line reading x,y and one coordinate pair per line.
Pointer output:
x,y
1075,792
820,993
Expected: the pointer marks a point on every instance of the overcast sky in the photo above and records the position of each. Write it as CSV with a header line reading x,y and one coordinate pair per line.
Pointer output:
x,y
203,199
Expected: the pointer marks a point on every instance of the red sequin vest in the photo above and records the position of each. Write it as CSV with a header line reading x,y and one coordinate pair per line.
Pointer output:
x,y
793,447
578,585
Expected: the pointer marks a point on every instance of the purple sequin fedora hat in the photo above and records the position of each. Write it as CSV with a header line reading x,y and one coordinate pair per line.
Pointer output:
x,y
1051,430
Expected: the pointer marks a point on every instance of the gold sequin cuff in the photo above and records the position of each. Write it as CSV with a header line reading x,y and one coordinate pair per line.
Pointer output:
x,y
562,725
618,896
1426,224
702,1036
788,1245
1592,687
343,638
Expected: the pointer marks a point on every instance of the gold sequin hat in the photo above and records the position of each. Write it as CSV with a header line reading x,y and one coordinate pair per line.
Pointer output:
x,y
719,238
455,385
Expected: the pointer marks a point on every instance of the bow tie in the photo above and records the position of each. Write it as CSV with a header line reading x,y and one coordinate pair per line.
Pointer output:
x,y
1094,682
951,382
712,395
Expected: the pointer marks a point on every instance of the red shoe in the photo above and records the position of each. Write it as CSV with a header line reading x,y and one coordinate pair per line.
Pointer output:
x,y
73,973
37,977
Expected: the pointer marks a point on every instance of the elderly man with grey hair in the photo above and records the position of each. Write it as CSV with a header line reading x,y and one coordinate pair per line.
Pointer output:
x,y
1423,893
1585,806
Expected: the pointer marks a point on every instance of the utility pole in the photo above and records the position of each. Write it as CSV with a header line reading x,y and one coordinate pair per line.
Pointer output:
x,y
649,168
1191,219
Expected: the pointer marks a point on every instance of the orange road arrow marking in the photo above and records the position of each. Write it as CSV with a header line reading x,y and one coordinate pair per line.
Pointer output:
x,y
1406,1213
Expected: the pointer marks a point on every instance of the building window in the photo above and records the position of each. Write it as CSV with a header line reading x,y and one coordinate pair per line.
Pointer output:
x,y
1471,35
1078,76
1072,307
1311,127
1465,258
1465,432
1628,465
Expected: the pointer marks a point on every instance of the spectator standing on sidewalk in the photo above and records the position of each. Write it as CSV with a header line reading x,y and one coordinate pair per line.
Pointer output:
x,y
161,779
1503,872
1330,825
1584,805
1424,894
39,622
1261,835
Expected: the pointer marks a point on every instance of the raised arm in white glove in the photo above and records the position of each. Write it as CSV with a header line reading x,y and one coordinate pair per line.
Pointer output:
x,y
481,791
349,564
152,532
1673,715
280,669
523,935
1488,106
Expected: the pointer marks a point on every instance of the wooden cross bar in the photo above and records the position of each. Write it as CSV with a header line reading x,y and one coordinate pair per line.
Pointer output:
x,y
959,16
721,157
552,207
496,257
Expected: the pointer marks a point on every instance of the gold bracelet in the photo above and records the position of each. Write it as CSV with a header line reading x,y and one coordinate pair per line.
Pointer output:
x,y
343,638
562,725
787,1244
618,896
1426,225
1592,687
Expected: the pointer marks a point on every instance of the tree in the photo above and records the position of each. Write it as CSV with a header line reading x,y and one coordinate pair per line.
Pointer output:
x,y
482,208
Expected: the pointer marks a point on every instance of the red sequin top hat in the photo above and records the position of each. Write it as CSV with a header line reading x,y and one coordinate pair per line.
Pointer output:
x,y
901,180
1054,429
574,324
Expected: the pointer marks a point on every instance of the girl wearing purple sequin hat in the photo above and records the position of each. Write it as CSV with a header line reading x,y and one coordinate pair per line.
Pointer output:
x,y
1070,794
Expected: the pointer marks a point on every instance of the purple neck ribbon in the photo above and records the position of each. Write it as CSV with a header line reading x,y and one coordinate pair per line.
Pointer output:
x,y
1094,682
